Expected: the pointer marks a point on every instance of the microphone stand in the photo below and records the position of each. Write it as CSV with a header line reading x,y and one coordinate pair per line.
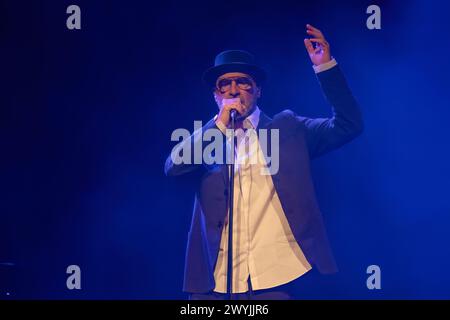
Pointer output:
x,y
230,211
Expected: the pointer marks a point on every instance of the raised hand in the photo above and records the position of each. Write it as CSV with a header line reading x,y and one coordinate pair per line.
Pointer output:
x,y
318,48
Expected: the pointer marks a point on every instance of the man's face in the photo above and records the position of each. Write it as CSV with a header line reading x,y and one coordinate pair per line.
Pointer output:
x,y
237,85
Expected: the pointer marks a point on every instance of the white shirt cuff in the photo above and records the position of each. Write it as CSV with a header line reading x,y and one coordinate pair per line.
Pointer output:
x,y
325,66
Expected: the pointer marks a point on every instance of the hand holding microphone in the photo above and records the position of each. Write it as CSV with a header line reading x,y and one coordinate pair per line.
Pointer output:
x,y
229,106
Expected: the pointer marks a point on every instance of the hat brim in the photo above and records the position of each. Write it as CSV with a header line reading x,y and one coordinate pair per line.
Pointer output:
x,y
210,76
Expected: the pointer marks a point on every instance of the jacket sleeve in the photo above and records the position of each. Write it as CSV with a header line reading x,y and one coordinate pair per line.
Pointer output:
x,y
326,134
174,166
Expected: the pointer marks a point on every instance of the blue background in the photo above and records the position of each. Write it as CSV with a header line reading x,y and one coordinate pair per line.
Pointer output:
x,y
86,118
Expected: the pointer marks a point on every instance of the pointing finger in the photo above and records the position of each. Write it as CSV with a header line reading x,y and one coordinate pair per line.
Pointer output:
x,y
314,33
310,27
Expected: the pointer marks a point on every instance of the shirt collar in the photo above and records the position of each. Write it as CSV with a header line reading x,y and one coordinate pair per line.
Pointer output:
x,y
252,120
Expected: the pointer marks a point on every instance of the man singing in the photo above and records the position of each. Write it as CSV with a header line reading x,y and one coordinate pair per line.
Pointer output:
x,y
278,231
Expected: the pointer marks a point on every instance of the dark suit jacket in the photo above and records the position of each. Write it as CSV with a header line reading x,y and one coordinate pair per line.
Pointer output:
x,y
301,139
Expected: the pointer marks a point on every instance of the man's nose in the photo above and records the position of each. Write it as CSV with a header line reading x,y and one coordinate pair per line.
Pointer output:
x,y
234,91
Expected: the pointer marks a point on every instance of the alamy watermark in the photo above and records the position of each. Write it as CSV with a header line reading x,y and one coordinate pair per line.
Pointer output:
x,y
74,20
374,280
74,280
190,150
374,20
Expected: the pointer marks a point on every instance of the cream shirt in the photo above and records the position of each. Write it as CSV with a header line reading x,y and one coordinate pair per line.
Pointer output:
x,y
264,247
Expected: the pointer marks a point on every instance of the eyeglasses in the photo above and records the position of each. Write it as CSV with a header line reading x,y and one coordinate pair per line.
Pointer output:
x,y
224,85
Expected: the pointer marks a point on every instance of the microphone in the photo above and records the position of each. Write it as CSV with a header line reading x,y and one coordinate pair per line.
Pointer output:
x,y
233,113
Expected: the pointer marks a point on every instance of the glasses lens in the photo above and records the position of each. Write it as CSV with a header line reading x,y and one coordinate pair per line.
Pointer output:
x,y
243,83
224,85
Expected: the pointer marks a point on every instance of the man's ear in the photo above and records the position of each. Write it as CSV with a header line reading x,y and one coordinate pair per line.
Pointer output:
x,y
258,92
216,98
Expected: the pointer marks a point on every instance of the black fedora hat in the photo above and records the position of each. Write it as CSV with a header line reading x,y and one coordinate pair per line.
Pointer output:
x,y
234,61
